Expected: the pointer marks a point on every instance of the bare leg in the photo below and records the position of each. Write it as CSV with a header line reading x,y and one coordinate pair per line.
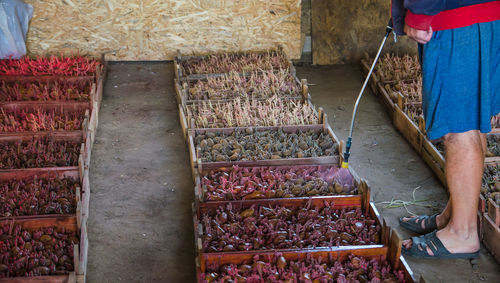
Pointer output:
x,y
464,169
444,217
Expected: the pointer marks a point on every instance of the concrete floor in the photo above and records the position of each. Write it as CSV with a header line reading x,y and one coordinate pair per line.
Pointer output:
x,y
140,225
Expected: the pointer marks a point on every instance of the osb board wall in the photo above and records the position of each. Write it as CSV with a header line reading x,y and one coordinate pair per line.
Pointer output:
x,y
155,29
343,30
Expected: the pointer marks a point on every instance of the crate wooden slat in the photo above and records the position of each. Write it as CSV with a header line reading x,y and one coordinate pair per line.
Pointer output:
x,y
96,103
386,100
494,212
58,106
49,172
491,236
70,278
408,129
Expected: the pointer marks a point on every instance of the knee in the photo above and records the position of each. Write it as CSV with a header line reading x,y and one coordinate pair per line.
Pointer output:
x,y
470,138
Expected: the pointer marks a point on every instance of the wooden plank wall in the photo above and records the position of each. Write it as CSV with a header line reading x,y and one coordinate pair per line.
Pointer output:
x,y
154,29
342,30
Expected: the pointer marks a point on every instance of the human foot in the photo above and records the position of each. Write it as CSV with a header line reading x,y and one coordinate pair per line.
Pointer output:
x,y
424,224
445,243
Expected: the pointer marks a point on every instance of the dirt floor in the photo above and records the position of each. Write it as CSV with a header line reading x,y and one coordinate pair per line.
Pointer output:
x,y
140,225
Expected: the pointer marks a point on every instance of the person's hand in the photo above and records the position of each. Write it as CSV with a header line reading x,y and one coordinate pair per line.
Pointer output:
x,y
420,36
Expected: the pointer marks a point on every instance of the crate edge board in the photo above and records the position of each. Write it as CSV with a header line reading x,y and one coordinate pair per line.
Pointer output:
x,y
38,279
491,237
408,129
494,212
386,101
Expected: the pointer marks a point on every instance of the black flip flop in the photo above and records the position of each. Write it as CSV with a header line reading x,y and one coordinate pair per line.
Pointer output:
x,y
419,248
414,224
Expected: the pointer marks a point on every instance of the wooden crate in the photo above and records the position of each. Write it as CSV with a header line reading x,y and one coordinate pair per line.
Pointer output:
x,y
180,72
57,172
196,162
96,102
340,202
58,136
200,190
187,121
68,223
390,251
204,259
491,236
58,133
182,90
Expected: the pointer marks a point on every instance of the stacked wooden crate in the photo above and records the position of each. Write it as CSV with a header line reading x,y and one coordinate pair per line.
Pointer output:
x,y
270,195
49,114
397,82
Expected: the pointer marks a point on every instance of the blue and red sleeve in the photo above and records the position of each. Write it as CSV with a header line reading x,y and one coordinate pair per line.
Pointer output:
x,y
416,13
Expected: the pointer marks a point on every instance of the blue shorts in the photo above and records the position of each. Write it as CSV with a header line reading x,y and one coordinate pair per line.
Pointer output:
x,y
461,79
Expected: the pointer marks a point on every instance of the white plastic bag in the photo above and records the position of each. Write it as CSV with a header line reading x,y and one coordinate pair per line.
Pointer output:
x,y
15,16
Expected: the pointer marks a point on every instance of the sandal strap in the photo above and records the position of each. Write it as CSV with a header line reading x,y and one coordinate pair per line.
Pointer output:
x,y
430,241
430,221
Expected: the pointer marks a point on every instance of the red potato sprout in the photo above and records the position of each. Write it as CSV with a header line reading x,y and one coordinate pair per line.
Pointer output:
x,y
278,227
37,153
353,269
237,183
43,91
39,120
38,196
53,65
43,252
